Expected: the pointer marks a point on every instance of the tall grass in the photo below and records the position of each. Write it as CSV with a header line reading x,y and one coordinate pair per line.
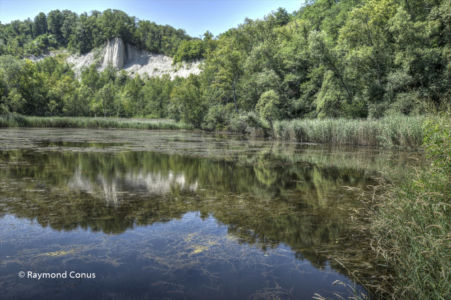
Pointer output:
x,y
15,120
395,131
390,132
412,222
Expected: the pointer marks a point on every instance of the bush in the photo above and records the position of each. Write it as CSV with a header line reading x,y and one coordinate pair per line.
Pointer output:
x,y
249,123
218,117
268,106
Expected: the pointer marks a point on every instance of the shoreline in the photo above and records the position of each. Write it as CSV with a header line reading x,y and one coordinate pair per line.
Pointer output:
x,y
400,132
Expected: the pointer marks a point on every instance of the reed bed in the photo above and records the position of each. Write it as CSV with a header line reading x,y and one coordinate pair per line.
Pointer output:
x,y
389,132
411,225
15,120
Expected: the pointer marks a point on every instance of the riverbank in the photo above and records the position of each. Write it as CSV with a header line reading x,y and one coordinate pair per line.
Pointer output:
x,y
411,223
391,132
15,120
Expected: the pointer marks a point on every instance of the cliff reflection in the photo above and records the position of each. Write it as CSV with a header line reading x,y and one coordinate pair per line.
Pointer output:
x,y
113,189
264,200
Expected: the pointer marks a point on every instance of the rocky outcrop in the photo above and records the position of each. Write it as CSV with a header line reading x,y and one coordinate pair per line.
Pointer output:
x,y
114,54
134,61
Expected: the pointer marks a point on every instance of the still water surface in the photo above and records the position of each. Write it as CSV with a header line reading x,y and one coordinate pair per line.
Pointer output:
x,y
180,215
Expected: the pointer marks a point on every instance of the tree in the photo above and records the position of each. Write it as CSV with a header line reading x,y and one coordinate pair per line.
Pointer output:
x,y
106,101
68,26
40,24
187,99
268,107
281,16
132,97
321,50
226,69
82,38
329,100
55,21
156,95
189,51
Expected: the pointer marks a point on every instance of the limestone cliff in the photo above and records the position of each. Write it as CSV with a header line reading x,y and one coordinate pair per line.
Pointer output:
x,y
134,61
114,54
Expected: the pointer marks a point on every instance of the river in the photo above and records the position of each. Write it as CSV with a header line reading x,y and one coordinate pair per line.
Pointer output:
x,y
183,215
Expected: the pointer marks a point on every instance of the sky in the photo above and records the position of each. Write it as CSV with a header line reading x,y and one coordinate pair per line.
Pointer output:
x,y
194,16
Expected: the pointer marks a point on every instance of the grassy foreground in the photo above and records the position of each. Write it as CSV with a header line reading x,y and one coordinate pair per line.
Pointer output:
x,y
14,120
412,222
395,131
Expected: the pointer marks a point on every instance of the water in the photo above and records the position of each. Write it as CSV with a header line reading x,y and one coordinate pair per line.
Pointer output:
x,y
182,215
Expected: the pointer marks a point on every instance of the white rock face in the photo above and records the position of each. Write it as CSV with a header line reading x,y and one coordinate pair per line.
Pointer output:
x,y
38,58
159,65
114,54
134,61
79,62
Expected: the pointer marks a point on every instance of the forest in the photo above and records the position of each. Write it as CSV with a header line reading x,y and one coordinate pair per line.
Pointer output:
x,y
373,73
352,59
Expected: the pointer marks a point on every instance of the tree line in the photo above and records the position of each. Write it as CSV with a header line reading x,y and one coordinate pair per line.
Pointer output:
x,y
81,33
329,59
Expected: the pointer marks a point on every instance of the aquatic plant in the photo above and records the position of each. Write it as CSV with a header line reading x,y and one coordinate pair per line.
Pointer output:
x,y
393,131
16,120
411,224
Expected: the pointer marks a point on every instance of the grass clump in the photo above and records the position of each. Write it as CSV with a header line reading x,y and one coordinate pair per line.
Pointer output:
x,y
412,222
395,131
15,120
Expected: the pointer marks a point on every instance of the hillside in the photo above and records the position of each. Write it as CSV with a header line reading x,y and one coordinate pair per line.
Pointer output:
x,y
134,61
85,32
353,59
120,56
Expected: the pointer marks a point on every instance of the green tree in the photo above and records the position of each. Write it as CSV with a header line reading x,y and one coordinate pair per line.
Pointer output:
x,y
187,100
106,101
55,21
40,24
268,106
226,67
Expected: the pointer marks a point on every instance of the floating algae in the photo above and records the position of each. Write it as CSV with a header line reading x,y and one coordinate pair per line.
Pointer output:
x,y
261,221
59,253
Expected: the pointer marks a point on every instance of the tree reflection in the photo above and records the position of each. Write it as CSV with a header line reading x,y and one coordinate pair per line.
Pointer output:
x,y
264,199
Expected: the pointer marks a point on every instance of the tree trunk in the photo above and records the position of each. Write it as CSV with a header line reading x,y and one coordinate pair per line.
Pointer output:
x,y
234,95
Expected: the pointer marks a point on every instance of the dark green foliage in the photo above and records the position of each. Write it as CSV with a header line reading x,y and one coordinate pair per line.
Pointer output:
x,y
349,59
84,32
189,51
335,59
40,25
50,88
268,107
217,117
187,103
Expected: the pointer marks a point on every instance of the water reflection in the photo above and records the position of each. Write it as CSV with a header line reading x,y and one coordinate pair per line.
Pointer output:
x,y
194,222
113,189
140,184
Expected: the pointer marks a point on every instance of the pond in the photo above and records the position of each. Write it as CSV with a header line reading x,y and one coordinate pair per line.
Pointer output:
x,y
135,214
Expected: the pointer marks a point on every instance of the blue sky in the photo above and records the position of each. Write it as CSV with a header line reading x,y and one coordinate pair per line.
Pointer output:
x,y
195,16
